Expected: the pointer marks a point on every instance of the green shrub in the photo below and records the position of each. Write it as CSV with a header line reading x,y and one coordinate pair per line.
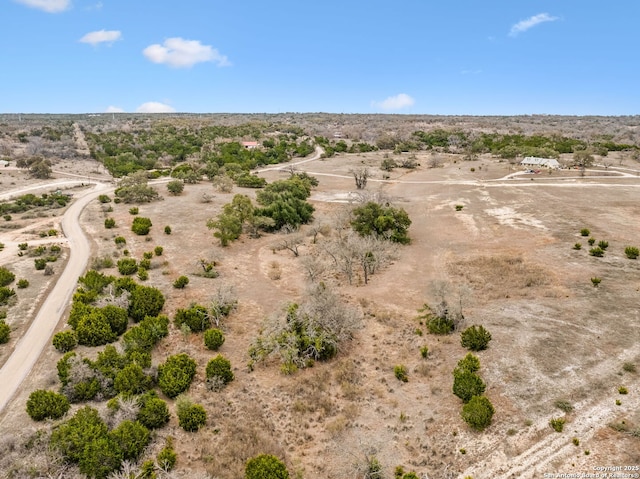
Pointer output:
x,y
623,390
44,404
158,250
94,329
143,274
153,412
191,417
132,380
400,372
40,263
219,368
175,187
120,240
181,282
459,207
603,245
23,283
6,276
23,246
134,210
577,246
596,282
597,252
591,241
266,466
563,405
145,301
127,266
131,438
5,332
557,424
469,363
478,412
424,352
475,338
85,441
104,199
147,255
7,217
167,230
196,317
65,341
175,374
6,294
585,232
467,384
109,223
632,252
213,339
141,225
167,457
145,264
440,326
387,222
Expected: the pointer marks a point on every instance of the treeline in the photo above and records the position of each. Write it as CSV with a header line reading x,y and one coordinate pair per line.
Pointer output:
x,y
161,145
501,145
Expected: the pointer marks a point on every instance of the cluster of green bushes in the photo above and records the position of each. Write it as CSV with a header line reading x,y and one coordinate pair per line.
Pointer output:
x,y
30,201
504,145
373,219
281,203
477,411
94,326
125,152
331,147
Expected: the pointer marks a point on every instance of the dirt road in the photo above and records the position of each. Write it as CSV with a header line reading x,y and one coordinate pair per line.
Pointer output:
x,y
28,349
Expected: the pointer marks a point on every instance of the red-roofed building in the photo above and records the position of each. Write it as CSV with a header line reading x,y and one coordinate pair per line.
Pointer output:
x,y
250,145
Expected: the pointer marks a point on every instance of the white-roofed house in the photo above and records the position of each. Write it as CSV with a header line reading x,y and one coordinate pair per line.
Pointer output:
x,y
535,162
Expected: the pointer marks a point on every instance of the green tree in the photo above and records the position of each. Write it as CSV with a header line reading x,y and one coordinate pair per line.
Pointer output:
x,y
478,412
100,458
384,222
167,457
141,225
475,338
134,188
44,404
175,374
265,466
175,187
227,226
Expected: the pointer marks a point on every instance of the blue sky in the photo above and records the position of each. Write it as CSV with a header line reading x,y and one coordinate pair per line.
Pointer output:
x,y
494,57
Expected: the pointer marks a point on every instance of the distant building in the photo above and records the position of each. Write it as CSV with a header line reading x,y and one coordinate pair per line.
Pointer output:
x,y
534,162
250,145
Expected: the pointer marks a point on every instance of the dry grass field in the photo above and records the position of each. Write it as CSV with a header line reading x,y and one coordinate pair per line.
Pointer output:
x,y
507,256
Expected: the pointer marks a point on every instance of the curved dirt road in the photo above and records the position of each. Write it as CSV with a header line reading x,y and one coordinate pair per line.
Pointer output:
x,y
29,347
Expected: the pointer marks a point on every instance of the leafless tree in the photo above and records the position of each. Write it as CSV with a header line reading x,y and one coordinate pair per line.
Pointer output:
x,y
361,175
314,267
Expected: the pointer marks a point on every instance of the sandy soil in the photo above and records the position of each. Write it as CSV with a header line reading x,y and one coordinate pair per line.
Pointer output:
x,y
555,336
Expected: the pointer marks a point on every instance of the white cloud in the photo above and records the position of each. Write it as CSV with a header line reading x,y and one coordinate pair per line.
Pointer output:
x,y
101,36
155,107
114,109
50,6
180,53
397,102
524,25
